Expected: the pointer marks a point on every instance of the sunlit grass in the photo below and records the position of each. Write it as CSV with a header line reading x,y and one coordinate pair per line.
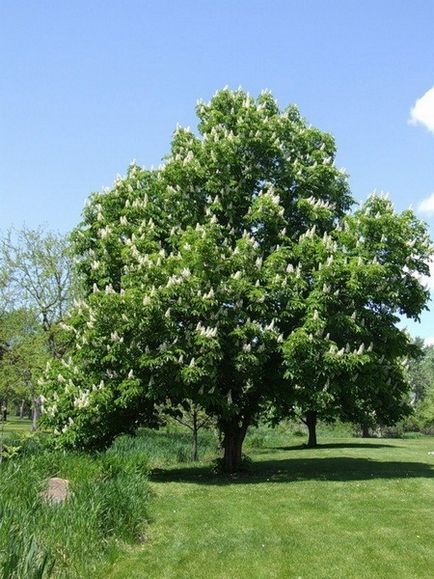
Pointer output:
x,y
350,508
15,426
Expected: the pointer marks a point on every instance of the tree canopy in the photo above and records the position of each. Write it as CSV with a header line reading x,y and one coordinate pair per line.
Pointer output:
x,y
35,294
348,356
23,356
36,275
236,277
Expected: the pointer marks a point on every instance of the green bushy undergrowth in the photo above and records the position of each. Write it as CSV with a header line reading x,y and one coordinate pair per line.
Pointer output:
x,y
107,506
419,423
169,446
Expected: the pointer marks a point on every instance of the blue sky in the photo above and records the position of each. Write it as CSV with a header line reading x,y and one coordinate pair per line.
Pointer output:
x,y
87,86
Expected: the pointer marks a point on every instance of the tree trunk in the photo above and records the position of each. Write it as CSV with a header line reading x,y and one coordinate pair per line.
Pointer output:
x,y
35,414
365,431
4,409
194,453
311,420
234,433
50,335
22,409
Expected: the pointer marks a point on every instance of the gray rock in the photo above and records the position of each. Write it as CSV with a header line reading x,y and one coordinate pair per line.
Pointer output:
x,y
57,490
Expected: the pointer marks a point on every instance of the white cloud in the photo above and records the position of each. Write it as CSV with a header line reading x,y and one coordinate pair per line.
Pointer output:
x,y
429,341
423,110
427,205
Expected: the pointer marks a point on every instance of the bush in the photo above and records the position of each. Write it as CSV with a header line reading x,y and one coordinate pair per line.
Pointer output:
x,y
108,504
425,413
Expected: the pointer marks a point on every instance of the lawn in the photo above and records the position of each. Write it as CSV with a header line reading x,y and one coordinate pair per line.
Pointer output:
x,y
350,508
15,425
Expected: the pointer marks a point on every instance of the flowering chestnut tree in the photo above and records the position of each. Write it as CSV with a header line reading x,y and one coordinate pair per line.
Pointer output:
x,y
203,278
347,359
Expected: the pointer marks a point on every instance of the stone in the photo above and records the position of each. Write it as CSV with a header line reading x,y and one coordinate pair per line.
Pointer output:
x,y
57,490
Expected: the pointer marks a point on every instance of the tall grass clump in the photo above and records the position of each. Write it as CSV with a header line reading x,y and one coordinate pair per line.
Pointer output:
x,y
107,507
21,555
166,447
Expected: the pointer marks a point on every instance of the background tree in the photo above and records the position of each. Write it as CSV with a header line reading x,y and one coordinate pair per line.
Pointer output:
x,y
421,372
425,411
35,294
36,274
23,357
347,357
421,379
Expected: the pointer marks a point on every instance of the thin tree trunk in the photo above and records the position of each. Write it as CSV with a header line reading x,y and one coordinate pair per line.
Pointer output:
x,y
49,331
22,409
311,421
36,410
4,410
234,433
194,452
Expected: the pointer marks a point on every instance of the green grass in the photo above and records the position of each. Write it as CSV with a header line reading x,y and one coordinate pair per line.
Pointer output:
x,y
164,447
350,508
107,510
16,426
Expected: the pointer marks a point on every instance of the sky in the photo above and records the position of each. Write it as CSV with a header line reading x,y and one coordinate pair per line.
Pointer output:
x,y
88,86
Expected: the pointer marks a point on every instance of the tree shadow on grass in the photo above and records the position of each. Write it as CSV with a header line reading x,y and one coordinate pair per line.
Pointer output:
x,y
300,469
335,445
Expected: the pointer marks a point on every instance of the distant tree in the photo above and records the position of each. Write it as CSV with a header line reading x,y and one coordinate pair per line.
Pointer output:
x,y
421,372
421,378
36,274
23,357
425,411
36,290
